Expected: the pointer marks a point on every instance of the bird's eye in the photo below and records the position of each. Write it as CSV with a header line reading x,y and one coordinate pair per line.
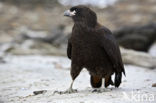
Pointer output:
x,y
74,9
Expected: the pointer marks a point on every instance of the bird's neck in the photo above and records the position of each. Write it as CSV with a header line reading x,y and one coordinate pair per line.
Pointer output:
x,y
88,24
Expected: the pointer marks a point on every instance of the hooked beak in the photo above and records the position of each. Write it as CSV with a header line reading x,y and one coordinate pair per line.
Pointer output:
x,y
69,13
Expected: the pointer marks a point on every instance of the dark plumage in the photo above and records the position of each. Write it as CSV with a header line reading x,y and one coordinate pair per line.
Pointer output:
x,y
93,47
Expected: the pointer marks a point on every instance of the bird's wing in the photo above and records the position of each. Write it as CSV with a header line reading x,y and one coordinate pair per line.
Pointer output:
x,y
69,48
111,48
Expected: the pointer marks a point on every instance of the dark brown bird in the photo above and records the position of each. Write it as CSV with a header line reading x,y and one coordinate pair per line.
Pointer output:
x,y
93,47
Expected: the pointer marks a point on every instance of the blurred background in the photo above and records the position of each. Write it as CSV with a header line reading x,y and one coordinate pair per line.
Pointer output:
x,y
39,27
33,42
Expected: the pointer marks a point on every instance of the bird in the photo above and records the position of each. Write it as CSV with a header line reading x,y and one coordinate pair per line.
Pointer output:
x,y
93,46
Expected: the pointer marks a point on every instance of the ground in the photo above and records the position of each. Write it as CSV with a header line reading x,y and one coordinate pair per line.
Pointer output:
x,y
21,75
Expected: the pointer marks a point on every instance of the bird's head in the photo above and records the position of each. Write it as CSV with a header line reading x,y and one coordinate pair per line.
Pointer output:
x,y
83,14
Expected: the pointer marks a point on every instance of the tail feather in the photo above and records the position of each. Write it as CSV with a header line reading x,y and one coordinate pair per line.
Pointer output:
x,y
124,72
118,78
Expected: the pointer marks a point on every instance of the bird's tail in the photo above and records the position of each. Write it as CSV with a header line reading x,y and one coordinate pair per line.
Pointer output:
x,y
95,81
118,78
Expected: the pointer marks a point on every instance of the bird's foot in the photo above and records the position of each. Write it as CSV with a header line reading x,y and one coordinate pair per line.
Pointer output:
x,y
68,91
98,90
71,91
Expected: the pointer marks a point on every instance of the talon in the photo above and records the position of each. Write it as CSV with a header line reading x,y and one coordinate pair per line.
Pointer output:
x,y
94,91
58,92
71,91
97,91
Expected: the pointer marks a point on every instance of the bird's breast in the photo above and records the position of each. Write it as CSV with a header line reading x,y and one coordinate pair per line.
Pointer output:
x,y
85,49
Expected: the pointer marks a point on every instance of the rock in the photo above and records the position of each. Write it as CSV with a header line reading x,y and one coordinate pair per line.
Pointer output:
x,y
1,101
37,42
137,37
39,92
29,47
154,85
2,61
5,47
152,49
56,36
138,58
45,3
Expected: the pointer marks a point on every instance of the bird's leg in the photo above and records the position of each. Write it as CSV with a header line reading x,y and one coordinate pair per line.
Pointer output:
x,y
98,90
70,90
75,70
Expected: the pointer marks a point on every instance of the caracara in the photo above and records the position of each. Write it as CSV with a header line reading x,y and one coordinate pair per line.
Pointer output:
x,y
92,46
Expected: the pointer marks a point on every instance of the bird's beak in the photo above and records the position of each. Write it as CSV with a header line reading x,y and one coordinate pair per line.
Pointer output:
x,y
69,13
